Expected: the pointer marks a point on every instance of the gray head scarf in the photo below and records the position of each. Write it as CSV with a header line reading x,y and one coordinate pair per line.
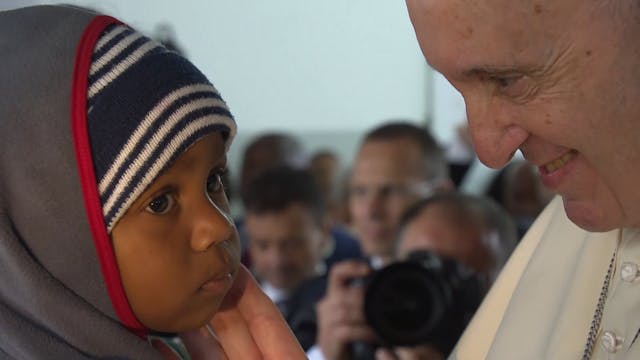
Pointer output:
x,y
54,300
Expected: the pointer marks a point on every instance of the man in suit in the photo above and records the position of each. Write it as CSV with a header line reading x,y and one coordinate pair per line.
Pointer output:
x,y
289,236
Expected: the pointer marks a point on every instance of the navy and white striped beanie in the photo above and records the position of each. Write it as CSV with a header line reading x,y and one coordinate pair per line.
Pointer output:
x,y
145,107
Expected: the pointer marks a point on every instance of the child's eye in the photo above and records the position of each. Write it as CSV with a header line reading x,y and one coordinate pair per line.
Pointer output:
x,y
161,204
214,182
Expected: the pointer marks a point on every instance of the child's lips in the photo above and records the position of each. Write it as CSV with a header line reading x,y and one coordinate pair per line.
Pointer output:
x,y
219,284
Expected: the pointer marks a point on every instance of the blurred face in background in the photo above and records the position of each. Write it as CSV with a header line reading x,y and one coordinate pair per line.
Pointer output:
x,y
433,229
325,169
285,246
387,178
524,196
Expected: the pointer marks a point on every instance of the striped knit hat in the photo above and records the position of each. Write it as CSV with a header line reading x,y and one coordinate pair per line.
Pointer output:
x,y
145,107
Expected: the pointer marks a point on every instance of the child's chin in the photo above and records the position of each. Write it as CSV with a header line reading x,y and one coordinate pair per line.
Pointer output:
x,y
188,322
203,320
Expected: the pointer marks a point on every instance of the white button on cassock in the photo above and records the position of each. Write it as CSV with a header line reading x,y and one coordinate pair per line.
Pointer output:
x,y
629,271
610,342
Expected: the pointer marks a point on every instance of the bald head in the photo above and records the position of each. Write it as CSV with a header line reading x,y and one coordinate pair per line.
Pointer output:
x,y
469,229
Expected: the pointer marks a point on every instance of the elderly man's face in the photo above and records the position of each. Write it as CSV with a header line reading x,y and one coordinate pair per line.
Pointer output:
x,y
558,80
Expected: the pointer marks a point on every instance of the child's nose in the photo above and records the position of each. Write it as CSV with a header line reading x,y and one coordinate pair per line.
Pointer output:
x,y
211,226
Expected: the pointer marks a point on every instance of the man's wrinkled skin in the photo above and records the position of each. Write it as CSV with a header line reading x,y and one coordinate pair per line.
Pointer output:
x,y
545,78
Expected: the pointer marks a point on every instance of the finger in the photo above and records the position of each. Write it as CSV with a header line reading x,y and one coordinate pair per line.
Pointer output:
x,y
349,333
354,297
351,301
341,273
202,345
249,320
348,315
333,318
421,352
385,354
234,335
267,326
333,343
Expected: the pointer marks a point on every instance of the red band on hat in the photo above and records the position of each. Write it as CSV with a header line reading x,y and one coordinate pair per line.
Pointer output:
x,y
102,241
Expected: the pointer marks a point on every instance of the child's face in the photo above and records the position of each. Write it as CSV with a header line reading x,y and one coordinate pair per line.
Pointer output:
x,y
176,247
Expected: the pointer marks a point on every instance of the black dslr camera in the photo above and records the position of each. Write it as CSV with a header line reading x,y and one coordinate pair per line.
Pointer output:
x,y
426,299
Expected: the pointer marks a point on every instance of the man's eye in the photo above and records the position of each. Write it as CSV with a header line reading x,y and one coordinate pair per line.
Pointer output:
x,y
505,81
512,86
161,204
395,190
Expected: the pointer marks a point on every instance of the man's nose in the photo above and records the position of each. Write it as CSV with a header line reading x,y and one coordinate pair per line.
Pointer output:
x,y
496,134
277,257
212,225
375,204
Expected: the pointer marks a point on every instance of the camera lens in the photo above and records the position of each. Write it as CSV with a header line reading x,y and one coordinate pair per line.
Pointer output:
x,y
405,303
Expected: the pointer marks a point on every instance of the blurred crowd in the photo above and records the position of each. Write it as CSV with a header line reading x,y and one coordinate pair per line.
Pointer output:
x,y
350,253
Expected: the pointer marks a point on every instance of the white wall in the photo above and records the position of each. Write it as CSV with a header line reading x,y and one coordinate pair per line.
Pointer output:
x,y
325,70
302,65
308,65
448,108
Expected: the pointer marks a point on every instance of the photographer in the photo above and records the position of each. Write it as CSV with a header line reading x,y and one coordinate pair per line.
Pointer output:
x,y
397,164
468,229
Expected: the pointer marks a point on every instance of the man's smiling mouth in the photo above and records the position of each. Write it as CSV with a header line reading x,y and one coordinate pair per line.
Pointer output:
x,y
556,164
